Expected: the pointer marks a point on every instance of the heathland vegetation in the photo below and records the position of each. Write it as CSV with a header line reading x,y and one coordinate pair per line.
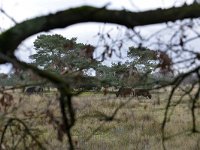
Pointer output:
x,y
66,98
136,124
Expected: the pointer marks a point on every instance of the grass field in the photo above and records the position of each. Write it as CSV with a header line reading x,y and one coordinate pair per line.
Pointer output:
x,y
136,126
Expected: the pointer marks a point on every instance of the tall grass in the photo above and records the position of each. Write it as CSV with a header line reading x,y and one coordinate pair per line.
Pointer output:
x,y
137,125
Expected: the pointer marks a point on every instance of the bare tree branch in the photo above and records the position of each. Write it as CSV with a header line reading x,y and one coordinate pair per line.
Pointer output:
x,y
10,39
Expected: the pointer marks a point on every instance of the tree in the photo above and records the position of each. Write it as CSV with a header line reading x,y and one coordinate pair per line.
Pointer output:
x,y
126,74
120,74
144,59
146,62
107,76
11,38
57,54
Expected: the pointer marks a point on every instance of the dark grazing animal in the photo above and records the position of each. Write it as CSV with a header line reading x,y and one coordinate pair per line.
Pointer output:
x,y
124,91
141,92
33,89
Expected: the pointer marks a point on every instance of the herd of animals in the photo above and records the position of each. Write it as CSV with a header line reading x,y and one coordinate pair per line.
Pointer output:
x,y
123,91
33,90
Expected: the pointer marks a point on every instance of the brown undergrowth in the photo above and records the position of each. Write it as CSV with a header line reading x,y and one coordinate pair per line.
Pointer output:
x,y
136,125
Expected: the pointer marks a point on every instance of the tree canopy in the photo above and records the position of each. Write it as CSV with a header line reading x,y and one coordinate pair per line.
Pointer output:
x,y
144,59
57,54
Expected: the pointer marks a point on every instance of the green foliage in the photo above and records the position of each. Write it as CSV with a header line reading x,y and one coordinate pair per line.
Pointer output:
x,y
144,59
48,51
106,75
143,62
116,75
120,68
55,53
11,80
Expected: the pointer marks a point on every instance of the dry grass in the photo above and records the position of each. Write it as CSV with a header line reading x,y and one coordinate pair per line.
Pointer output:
x,y
137,125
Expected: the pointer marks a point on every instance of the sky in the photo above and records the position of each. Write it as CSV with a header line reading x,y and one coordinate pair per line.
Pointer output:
x,y
22,10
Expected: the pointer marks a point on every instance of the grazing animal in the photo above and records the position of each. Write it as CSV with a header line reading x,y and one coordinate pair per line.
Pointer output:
x,y
33,89
142,92
123,92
